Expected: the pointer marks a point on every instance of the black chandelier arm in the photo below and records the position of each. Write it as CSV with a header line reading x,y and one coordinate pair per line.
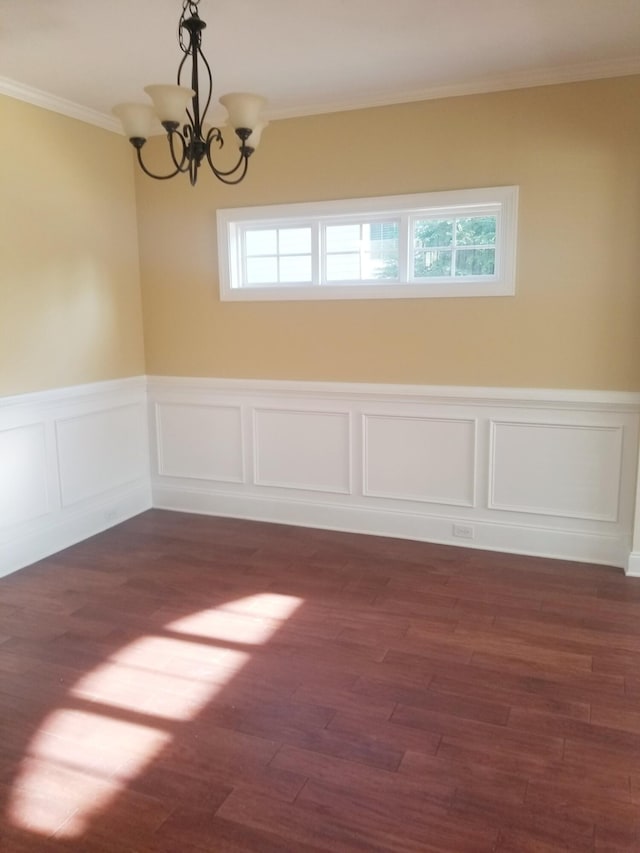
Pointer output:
x,y
180,165
243,164
151,174
194,100
209,85
215,135
193,50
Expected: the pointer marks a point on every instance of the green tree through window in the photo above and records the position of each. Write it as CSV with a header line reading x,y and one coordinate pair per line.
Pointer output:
x,y
454,247
459,246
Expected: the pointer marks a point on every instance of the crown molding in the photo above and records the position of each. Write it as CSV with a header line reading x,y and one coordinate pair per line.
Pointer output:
x,y
623,67
22,92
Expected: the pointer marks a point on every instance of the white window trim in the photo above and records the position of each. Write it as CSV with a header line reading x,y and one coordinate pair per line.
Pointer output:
x,y
503,201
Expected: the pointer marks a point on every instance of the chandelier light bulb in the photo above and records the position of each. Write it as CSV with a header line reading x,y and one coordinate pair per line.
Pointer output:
x,y
170,102
137,119
243,109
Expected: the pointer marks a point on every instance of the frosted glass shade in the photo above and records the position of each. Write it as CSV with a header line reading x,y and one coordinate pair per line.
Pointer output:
x,y
243,108
136,119
170,102
254,140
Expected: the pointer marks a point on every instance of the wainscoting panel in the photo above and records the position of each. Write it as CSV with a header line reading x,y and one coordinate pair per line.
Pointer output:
x,y
100,451
302,450
23,485
551,473
571,471
200,442
423,459
73,461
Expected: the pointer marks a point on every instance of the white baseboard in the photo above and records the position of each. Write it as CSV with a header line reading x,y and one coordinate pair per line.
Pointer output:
x,y
541,542
53,535
632,568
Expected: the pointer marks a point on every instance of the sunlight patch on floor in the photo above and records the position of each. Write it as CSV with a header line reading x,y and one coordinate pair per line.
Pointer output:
x,y
122,714
242,621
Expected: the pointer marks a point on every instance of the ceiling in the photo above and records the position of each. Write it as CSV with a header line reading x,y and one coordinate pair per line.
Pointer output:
x,y
309,56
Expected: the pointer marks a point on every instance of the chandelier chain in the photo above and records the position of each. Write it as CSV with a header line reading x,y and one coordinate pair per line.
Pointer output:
x,y
188,7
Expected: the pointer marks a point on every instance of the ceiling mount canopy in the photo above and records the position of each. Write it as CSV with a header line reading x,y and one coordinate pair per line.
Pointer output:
x,y
182,112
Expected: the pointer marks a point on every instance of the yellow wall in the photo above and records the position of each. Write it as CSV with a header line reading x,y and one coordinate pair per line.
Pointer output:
x,y
69,286
574,150
70,308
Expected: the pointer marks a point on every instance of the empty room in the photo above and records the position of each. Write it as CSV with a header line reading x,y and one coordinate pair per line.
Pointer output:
x,y
319,426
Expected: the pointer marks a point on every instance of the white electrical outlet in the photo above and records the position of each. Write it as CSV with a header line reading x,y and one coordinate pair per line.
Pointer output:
x,y
463,531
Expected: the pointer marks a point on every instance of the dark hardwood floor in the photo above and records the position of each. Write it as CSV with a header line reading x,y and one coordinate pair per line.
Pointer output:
x,y
182,684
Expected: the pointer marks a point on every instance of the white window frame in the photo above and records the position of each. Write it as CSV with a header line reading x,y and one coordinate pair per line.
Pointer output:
x,y
499,201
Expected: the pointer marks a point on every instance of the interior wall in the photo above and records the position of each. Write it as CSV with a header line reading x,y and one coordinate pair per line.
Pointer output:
x,y
573,323
70,307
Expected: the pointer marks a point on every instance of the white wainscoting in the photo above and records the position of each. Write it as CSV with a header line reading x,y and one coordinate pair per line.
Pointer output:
x,y
551,473
541,472
73,462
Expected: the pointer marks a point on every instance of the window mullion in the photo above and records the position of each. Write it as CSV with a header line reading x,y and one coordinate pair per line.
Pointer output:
x,y
454,248
318,265
242,247
405,261
278,255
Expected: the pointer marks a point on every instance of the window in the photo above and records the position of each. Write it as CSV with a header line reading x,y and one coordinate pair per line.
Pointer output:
x,y
276,256
459,243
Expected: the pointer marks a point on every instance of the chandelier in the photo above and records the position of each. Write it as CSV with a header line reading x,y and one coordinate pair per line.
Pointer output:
x,y
182,112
